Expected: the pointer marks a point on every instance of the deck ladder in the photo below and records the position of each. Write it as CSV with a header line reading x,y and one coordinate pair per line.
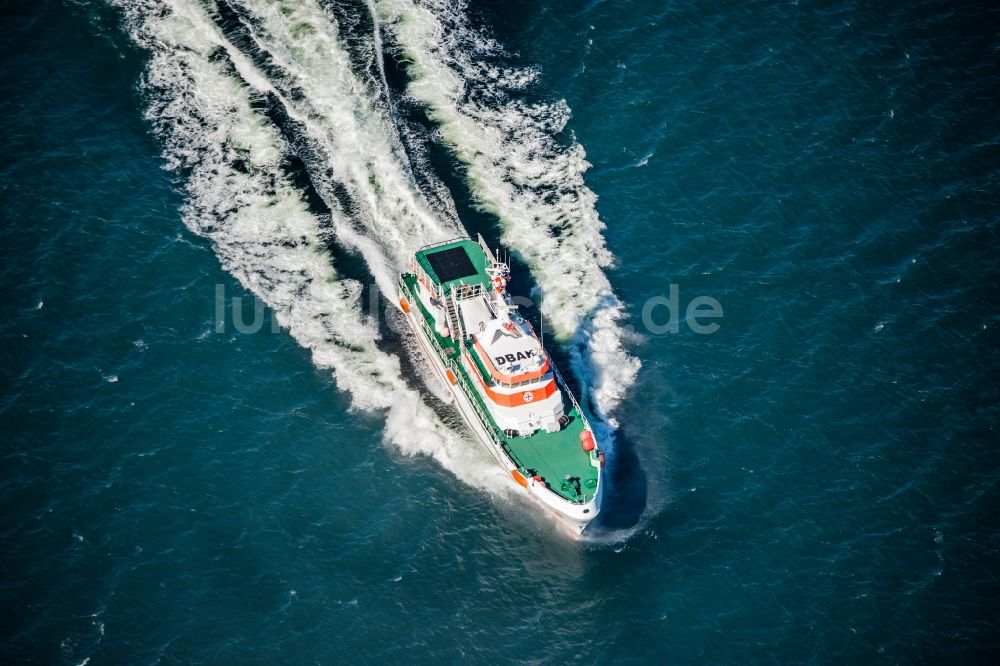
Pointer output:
x,y
454,319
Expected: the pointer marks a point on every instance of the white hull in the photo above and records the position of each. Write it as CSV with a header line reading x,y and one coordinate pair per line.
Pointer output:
x,y
574,517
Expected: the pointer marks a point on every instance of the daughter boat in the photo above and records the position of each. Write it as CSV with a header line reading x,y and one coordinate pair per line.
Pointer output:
x,y
502,381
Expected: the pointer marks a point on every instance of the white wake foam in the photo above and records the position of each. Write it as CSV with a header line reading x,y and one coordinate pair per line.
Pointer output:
x,y
263,232
204,93
520,172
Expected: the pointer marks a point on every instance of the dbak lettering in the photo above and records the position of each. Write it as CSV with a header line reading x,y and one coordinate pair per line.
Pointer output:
x,y
510,358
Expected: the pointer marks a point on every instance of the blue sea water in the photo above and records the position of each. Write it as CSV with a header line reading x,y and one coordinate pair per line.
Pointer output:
x,y
816,481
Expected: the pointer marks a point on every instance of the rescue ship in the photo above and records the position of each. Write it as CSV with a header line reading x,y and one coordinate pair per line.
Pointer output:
x,y
500,377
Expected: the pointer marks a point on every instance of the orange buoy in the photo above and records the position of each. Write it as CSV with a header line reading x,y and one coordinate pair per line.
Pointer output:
x,y
451,376
600,455
405,304
587,441
519,478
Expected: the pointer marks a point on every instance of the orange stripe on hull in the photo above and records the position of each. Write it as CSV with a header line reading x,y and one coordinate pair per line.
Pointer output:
x,y
512,399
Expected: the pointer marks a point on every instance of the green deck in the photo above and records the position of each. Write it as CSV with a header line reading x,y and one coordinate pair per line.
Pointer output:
x,y
552,456
475,254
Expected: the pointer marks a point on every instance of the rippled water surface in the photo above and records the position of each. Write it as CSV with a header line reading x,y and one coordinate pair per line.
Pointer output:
x,y
815,481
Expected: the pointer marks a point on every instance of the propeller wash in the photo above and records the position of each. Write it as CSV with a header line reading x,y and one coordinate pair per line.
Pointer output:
x,y
264,108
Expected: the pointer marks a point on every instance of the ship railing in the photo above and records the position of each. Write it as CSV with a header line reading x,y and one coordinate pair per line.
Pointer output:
x,y
440,243
431,335
595,453
582,498
484,419
433,338
572,398
463,292
452,365
420,273
486,249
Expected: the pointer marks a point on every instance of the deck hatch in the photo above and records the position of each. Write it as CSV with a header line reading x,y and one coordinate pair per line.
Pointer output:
x,y
451,264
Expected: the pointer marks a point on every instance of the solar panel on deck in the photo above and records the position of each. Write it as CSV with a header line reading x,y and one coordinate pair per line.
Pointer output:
x,y
451,264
